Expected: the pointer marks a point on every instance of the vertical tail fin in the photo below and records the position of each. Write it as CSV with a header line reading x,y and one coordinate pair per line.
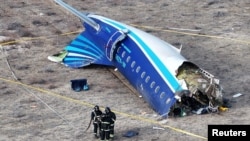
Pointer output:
x,y
83,17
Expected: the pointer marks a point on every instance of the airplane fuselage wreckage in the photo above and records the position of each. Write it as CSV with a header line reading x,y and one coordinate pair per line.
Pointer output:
x,y
156,69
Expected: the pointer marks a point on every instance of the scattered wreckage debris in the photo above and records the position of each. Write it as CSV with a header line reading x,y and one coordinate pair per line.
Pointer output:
x,y
58,57
237,95
203,94
158,128
130,133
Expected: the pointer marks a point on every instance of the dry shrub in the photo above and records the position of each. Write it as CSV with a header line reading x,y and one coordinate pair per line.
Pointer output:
x,y
51,86
35,80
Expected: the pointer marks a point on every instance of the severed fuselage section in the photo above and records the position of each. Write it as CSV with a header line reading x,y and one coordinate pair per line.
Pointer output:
x,y
203,93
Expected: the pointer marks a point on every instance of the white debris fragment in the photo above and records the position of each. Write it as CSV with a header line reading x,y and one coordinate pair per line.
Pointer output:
x,y
155,115
4,39
237,95
164,121
158,128
178,98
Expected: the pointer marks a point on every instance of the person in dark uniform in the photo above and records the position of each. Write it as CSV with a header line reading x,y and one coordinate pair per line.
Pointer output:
x,y
105,127
112,121
96,118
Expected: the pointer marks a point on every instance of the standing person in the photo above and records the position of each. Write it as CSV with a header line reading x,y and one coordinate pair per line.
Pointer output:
x,y
96,118
105,127
112,121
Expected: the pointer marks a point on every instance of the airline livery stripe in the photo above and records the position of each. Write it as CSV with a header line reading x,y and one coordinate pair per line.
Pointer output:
x,y
80,45
81,51
128,50
85,40
84,45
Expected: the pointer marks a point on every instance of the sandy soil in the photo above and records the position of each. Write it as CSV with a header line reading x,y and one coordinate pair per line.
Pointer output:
x,y
36,100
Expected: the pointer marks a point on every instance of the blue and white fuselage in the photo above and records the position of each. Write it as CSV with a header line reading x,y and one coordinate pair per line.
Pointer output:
x,y
147,62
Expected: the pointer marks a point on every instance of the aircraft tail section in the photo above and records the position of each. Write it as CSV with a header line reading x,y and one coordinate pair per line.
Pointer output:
x,y
83,51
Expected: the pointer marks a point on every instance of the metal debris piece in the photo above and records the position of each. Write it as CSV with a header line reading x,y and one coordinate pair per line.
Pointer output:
x,y
237,95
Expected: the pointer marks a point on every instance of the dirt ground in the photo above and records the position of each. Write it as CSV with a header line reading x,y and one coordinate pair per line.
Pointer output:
x,y
36,100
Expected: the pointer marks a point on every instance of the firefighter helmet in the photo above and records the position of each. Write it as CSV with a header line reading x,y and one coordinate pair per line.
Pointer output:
x,y
96,108
107,110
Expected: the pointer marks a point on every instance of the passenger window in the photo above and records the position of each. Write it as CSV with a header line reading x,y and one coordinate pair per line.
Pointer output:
x,y
128,59
162,94
118,50
147,79
168,100
138,69
152,84
132,64
143,74
123,53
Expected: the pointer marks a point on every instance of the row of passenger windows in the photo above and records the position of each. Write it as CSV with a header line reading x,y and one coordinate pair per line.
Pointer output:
x,y
143,75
